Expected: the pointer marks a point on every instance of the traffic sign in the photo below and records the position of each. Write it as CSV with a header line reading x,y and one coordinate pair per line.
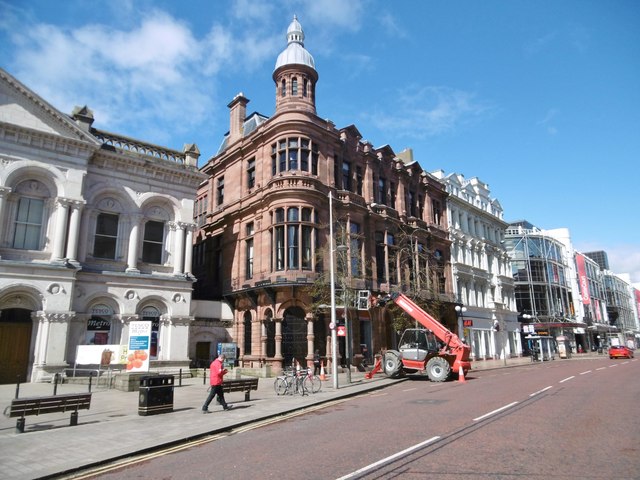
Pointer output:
x,y
342,331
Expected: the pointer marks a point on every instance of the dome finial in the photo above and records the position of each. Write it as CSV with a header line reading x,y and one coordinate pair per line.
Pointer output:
x,y
294,32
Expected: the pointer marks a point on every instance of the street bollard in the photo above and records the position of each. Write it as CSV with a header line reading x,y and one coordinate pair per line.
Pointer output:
x,y
204,376
55,383
180,378
90,380
18,387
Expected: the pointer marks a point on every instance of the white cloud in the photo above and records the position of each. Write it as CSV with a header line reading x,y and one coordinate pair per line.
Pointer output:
x,y
426,111
252,9
547,121
540,43
625,259
139,76
390,25
335,13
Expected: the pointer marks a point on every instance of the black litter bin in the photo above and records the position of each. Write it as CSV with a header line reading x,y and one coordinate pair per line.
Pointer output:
x,y
156,395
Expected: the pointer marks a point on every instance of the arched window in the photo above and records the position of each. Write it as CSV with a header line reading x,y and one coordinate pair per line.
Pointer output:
x,y
247,333
152,314
294,87
152,245
99,325
283,88
28,231
106,238
270,327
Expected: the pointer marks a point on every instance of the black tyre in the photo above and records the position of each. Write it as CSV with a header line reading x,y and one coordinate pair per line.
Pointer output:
x,y
438,369
392,364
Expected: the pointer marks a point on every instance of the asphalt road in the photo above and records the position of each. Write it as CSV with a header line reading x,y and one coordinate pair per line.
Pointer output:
x,y
557,420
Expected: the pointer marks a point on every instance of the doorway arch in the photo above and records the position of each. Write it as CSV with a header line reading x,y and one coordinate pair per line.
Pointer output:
x,y
294,336
15,344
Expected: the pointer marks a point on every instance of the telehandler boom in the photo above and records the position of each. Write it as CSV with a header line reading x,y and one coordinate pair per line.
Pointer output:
x,y
434,349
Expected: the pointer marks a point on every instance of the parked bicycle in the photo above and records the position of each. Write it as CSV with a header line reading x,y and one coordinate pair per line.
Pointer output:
x,y
297,381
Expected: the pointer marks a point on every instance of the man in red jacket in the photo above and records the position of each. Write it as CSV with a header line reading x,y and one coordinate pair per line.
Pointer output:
x,y
216,374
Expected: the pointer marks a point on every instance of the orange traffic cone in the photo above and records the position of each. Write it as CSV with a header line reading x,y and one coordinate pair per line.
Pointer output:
x,y
323,377
461,375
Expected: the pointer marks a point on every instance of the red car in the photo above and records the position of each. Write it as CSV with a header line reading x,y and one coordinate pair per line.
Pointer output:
x,y
620,351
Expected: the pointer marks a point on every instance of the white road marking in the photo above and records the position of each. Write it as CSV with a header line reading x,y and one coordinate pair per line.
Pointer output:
x,y
540,391
584,373
495,411
409,389
567,379
601,368
389,458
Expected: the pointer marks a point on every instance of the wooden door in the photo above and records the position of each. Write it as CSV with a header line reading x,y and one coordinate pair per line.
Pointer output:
x,y
15,339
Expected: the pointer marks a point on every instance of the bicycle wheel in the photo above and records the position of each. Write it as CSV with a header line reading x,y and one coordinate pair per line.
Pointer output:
x,y
280,386
300,386
312,384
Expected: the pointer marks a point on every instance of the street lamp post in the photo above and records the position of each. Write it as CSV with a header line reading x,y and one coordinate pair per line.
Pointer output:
x,y
460,310
347,323
332,274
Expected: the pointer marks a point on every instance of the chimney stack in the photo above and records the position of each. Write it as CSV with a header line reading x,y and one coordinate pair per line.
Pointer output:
x,y
238,112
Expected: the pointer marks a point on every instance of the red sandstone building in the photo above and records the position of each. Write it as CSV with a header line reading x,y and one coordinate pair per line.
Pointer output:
x,y
263,219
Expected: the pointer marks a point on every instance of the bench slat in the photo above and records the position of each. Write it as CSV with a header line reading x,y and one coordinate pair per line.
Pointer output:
x,y
242,385
56,403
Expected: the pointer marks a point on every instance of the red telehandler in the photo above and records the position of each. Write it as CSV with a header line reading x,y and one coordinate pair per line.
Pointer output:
x,y
434,349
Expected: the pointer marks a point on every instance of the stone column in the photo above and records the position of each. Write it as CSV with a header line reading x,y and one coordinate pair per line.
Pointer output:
x,y
4,192
263,339
60,233
74,232
134,240
50,348
188,249
278,337
178,247
310,339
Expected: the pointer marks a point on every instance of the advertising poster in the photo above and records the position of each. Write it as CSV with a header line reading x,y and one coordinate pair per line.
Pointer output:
x,y
229,350
584,282
139,344
103,355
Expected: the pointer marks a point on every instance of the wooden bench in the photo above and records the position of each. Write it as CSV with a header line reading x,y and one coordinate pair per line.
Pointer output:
x,y
68,402
243,385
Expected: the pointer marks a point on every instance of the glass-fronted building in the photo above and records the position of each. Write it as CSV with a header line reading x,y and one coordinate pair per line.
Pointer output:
x,y
540,268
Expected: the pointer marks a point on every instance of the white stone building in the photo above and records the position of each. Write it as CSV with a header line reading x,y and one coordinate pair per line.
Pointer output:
x,y
95,231
481,269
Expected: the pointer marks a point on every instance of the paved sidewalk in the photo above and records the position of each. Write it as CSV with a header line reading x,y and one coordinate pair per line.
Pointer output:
x,y
113,429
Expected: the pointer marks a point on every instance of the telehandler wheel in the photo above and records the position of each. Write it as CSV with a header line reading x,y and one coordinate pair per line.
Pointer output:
x,y
438,369
392,364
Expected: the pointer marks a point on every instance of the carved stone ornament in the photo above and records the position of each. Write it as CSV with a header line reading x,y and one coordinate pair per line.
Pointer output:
x,y
55,289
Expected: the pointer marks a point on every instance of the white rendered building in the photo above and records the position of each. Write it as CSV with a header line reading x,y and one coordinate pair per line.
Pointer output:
x,y
95,232
481,268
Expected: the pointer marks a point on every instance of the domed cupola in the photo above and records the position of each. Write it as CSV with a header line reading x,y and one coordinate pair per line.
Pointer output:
x,y
295,73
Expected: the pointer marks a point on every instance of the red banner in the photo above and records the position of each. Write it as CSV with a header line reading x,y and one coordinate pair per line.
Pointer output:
x,y
637,292
582,278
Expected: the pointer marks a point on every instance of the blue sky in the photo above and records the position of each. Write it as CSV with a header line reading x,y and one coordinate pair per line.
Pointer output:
x,y
539,99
